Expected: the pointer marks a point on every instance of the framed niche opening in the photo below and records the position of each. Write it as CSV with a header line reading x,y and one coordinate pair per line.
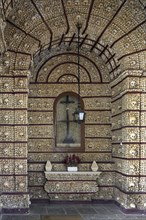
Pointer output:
x,y
69,135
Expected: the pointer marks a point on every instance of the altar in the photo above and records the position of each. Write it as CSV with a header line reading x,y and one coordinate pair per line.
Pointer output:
x,y
72,185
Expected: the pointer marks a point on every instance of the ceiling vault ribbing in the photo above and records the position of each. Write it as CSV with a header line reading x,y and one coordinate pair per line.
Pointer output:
x,y
108,24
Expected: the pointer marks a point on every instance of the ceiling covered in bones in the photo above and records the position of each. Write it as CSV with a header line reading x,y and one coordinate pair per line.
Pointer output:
x,y
112,35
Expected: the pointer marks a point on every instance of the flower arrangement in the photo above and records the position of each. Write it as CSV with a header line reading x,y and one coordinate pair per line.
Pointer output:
x,y
72,160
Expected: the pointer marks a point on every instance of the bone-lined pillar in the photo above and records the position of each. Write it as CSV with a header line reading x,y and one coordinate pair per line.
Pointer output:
x,y
128,138
13,141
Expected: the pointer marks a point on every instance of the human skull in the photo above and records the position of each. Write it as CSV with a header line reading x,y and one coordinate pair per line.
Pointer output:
x,y
21,184
133,136
6,101
21,118
6,85
6,134
133,83
20,102
20,83
134,103
133,120
6,117
6,184
133,152
20,166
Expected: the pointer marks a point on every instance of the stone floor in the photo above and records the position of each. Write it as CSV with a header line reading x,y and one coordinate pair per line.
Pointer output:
x,y
86,211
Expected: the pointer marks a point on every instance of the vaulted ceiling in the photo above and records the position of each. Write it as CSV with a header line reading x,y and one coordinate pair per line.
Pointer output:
x,y
113,33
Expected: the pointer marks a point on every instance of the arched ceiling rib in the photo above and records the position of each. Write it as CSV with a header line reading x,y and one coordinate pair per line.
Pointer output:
x,y
70,57
115,30
57,68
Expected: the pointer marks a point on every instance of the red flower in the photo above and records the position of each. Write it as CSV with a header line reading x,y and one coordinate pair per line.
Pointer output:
x,y
72,160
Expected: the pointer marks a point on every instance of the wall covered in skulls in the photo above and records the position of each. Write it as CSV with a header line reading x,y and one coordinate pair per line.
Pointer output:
x,y
38,62
128,138
58,74
13,139
115,138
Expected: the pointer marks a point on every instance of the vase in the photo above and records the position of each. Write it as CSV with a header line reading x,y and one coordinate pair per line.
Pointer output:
x,y
94,166
72,169
48,166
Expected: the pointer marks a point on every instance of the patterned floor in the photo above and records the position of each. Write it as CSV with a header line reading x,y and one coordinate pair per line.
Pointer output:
x,y
85,211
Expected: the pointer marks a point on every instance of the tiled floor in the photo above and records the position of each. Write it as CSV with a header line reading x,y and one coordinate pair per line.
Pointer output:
x,y
86,211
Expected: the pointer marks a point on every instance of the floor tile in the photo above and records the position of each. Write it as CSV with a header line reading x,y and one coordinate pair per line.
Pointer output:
x,y
55,211
31,217
37,209
85,211
94,217
71,211
63,217
11,217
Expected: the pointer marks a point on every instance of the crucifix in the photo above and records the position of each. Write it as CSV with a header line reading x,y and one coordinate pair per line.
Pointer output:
x,y
68,138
